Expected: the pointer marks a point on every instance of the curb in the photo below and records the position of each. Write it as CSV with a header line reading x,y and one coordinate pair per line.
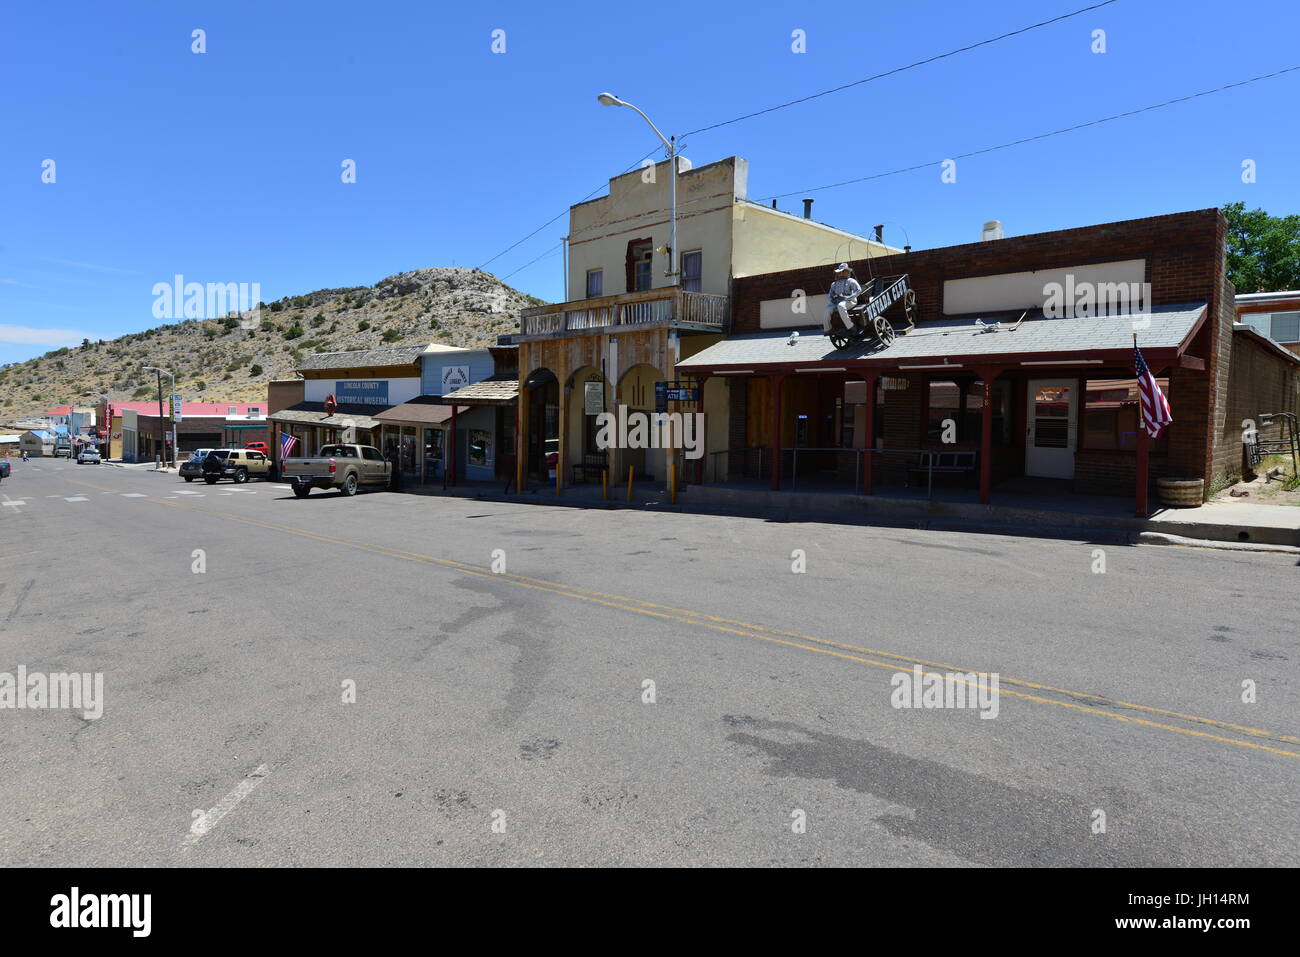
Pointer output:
x,y
1163,538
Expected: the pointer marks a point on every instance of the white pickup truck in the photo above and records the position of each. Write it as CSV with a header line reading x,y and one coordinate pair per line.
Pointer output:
x,y
345,467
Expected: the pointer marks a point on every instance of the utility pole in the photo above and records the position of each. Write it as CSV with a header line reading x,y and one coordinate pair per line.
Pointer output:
x,y
162,442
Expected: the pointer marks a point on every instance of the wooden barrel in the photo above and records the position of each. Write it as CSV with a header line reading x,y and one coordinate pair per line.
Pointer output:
x,y
1181,492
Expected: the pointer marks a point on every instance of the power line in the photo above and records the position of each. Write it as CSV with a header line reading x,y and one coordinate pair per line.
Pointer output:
x,y
1040,136
910,66
805,99
548,252
565,212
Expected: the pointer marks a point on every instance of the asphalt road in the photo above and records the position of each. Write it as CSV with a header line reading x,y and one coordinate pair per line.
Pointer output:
x,y
499,717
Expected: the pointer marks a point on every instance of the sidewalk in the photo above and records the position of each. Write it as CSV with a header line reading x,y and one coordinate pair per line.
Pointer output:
x,y
1093,518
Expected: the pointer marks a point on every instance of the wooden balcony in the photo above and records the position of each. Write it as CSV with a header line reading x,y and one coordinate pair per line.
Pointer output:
x,y
670,305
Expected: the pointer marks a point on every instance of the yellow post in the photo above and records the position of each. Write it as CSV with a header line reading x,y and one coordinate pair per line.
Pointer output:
x,y
629,482
604,484
672,483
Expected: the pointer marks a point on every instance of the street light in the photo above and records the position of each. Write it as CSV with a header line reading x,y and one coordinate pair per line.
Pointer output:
x,y
670,143
161,373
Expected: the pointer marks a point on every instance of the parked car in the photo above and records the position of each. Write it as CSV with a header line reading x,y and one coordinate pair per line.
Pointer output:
x,y
192,467
345,467
238,465
62,451
259,447
4,469
88,455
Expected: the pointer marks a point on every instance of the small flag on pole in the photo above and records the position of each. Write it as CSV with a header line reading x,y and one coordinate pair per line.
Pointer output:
x,y
287,442
1155,407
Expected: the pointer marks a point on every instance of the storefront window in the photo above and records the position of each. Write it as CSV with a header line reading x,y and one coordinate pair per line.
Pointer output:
x,y
1110,417
962,402
480,447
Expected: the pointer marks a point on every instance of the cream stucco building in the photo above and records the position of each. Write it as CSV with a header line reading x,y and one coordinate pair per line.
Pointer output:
x,y
627,320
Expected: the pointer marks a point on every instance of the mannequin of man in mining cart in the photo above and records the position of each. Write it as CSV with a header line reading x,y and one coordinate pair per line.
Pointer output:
x,y
842,297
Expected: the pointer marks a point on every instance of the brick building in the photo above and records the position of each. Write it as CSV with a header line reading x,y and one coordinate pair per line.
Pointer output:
x,y
998,374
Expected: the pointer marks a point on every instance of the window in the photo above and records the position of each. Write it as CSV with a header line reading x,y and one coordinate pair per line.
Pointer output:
x,y
639,258
692,266
433,443
232,410
963,403
595,283
371,455
480,447
1286,327
1110,415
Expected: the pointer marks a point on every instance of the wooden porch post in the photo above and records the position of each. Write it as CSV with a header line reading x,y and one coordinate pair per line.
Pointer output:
x,y
704,448
522,420
776,381
451,450
987,375
869,427
1143,449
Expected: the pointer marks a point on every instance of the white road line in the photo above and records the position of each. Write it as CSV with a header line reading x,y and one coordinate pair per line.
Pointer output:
x,y
134,495
13,502
75,498
181,491
207,820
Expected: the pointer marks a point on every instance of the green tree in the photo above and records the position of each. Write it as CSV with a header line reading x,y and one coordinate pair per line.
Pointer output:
x,y
255,370
1263,250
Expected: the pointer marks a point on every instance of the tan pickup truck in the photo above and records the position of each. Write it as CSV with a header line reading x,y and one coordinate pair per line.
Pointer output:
x,y
345,467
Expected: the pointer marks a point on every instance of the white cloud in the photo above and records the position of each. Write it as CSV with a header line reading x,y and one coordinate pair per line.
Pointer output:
x,y
29,336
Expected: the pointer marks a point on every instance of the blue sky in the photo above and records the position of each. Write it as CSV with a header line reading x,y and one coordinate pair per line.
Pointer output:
x,y
225,166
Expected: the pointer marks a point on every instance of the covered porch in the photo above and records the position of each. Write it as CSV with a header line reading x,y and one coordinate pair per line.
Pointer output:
x,y
1028,408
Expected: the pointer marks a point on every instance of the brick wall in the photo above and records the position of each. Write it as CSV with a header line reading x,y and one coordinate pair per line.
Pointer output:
x,y
1182,253
1259,381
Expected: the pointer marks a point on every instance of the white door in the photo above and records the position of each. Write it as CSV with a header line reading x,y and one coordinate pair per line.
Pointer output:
x,y
1049,449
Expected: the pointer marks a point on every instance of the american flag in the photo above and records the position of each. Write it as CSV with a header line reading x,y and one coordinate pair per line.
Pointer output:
x,y
287,442
1155,407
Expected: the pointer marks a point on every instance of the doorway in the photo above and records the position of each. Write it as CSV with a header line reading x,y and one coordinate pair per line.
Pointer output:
x,y
1051,436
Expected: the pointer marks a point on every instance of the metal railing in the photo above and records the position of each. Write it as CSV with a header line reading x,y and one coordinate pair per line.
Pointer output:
x,y
929,460
629,309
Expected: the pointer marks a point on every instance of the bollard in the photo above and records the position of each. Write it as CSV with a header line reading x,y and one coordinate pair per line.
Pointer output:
x,y
604,485
629,482
672,483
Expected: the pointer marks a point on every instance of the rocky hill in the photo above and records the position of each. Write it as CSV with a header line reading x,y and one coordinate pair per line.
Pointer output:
x,y
217,359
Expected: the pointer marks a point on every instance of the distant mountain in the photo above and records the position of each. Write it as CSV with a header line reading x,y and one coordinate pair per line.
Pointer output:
x,y
217,359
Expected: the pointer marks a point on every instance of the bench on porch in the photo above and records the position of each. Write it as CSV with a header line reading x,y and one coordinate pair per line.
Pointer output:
x,y
592,464
961,464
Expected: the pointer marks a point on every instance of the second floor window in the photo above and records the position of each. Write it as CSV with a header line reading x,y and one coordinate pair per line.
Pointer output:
x,y
692,267
639,259
595,283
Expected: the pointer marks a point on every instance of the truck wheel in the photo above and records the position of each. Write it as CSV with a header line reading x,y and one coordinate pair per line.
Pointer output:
x,y
241,476
189,478
210,479
301,491
349,486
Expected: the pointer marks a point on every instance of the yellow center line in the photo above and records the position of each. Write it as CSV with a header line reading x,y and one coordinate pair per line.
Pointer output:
x,y
821,646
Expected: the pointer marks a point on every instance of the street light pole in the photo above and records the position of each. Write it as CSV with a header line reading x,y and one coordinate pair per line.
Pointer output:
x,y
670,143
172,377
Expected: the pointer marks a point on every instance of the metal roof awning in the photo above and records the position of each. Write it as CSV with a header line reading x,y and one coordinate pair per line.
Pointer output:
x,y
418,413
1037,341
313,413
496,390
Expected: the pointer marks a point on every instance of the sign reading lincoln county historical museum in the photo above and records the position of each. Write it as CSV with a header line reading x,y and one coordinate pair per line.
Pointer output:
x,y
361,391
